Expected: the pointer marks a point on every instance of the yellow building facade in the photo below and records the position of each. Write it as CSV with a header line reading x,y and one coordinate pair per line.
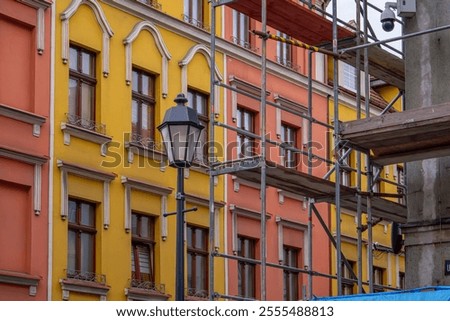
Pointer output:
x,y
388,267
118,65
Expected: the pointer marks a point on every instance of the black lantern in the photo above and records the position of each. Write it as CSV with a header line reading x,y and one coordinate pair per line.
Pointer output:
x,y
180,131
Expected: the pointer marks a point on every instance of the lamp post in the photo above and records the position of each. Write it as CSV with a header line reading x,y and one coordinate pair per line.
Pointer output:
x,y
180,132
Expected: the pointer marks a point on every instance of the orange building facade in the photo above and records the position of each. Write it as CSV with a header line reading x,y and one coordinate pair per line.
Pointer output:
x,y
25,56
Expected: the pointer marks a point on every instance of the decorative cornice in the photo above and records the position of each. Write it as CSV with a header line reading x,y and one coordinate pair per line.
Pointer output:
x,y
21,279
287,103
246,86
146,186
37,4
30,118
23,157
202,201
85,171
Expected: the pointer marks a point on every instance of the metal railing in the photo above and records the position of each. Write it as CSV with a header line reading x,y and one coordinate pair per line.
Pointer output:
x,y
195,22
87,124
86,276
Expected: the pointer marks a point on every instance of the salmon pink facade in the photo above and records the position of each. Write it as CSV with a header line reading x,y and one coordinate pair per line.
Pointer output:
x,y
287,243
25,51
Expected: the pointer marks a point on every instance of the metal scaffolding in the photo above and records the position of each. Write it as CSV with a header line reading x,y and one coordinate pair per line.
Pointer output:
x,y
341,42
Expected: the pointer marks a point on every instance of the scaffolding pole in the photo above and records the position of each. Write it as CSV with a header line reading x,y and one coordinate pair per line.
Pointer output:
x,y
263,250
336,151
212,156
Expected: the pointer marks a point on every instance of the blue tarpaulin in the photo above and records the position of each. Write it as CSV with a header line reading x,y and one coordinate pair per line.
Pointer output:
x,y
431,293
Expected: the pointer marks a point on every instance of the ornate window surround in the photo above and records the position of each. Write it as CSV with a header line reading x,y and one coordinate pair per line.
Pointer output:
x,y
102,21
286,223
165,54
242,212
105,177
205,51
40,6
148,187
37,161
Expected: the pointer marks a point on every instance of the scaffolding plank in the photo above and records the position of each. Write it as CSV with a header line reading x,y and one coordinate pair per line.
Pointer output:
x,y
293,19
305,25
383,65
293,181
402,137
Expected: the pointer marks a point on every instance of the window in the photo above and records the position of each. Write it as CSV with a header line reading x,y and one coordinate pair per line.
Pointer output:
x,y
82,82
291,278
199,102
376,174
347,276
284,52
289,138
143,108
241,33
152,3
142,249
378,279
346,167
349,77
245,120
194,13
246,270
197,261
402,280
401,183
81,243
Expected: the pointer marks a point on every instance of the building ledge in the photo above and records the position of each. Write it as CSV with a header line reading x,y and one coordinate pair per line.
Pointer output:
x,y
81,286
22,279
92,136
138,294
24,116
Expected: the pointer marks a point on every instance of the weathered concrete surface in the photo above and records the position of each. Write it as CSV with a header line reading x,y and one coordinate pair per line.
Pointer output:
x,y
427,232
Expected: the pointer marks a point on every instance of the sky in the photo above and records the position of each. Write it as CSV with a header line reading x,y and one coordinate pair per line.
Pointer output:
x,y
347,11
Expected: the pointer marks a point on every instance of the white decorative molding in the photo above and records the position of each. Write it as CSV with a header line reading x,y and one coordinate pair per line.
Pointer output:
x,y
40,6
278,122
89,135
24,116
237,182
205,51
204,202
237,211
37,189
282,194
37,161
245,86
105,177
285,223
165,54
22,279
147,187
102,21
80,286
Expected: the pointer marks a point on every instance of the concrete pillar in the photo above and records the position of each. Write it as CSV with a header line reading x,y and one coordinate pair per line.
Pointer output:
x,y
427,232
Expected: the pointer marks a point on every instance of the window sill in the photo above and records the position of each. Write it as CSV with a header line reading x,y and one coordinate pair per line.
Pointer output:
x,y
72,130
24,116
22,279
137,294
80,286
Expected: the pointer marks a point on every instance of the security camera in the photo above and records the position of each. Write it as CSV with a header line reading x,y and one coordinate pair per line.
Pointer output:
x,y
388,16
405,9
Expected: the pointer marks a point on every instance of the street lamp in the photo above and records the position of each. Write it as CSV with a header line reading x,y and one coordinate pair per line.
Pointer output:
x,y
180,132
